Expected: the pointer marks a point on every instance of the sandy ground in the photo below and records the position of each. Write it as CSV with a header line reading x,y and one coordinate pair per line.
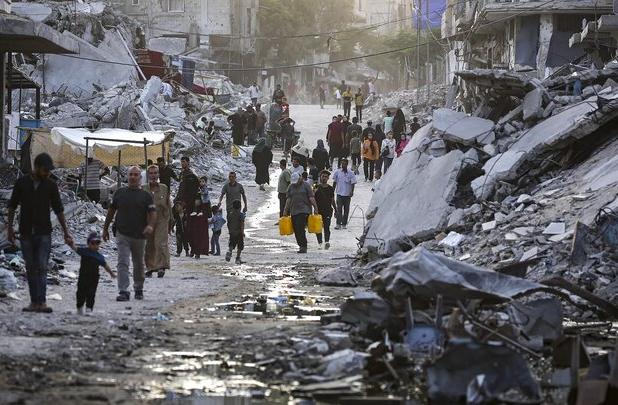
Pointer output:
x,y
177,342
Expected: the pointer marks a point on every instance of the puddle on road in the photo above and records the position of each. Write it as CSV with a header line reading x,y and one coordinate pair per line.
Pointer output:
x,y
203,377
264,219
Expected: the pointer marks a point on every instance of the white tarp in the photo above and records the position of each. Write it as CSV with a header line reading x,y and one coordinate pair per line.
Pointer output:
x,y
67,146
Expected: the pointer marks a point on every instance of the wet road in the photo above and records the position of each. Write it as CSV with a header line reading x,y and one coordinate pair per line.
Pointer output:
x,y
209,329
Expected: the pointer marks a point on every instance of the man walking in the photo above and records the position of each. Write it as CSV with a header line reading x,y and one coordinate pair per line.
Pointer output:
x,y
232,191
284,183
260,122
135,218
335,139
325,200
347,101
254,93
343,183
166,173
189,188
36,194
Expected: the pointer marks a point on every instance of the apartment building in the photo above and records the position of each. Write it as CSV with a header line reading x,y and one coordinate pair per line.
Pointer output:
x,y
521,35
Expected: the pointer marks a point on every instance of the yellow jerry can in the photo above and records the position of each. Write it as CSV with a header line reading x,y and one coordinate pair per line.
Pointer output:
x,y
285,226
314,223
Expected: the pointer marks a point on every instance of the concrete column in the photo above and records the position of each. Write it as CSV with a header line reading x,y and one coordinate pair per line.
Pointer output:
x,y
545,34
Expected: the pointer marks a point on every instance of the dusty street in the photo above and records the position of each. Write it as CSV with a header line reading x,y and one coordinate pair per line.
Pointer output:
x,y
187,338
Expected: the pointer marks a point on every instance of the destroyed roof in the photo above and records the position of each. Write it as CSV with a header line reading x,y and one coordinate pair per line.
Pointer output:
x,y
501,81
19,34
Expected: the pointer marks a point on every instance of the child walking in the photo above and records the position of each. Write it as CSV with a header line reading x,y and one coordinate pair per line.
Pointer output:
x,y
179,223
236,229
88,279
216,223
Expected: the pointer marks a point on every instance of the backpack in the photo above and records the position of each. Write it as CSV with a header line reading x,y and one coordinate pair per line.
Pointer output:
x,y
386,151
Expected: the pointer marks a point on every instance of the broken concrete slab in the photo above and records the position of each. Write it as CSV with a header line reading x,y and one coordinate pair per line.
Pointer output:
x,y
529,254
533,105
77,76
562,129
501,82
511,115
399,192
488,226
452,240
555,228
341,276
458,127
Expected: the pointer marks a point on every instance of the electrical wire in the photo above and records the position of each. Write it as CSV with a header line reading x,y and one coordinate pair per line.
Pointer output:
x,y
314,64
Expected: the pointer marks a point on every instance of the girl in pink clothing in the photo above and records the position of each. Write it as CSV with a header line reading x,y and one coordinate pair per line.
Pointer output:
x,y
403,142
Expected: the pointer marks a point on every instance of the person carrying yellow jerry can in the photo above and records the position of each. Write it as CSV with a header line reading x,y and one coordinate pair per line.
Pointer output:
x,y
299,205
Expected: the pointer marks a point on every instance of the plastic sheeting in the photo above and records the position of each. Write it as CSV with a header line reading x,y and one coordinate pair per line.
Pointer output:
x,y
67,146
421,273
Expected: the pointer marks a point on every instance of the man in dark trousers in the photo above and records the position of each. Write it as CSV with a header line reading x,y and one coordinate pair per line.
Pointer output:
x,y
36,194
135,217
237,121
166,173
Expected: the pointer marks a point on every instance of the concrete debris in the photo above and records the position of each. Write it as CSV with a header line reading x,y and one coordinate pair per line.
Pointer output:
x,y
555,228
337,277
460,128
452,377
386,232
452,240
533,104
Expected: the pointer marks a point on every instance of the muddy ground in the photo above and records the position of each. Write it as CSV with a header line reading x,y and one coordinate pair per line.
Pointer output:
x,y
180,342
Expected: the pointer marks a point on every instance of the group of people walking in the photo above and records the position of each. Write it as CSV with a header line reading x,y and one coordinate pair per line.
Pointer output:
x,y
140,216
376,147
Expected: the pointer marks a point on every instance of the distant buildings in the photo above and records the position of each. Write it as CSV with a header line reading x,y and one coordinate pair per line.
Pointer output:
x,y
219,31
396,15
520,35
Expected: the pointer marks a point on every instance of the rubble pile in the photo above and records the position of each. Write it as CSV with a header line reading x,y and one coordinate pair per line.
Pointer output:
x,y
508,255
406,100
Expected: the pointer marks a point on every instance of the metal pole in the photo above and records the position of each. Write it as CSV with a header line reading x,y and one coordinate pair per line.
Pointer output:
x,y
146,153
85,181
38,103
418,50
2,101
428,22
118,168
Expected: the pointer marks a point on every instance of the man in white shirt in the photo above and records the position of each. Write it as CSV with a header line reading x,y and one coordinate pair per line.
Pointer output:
x,y
343,182
254,93
388,122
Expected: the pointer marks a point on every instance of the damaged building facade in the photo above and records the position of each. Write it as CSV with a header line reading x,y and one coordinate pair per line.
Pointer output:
x,y
210,30
524,36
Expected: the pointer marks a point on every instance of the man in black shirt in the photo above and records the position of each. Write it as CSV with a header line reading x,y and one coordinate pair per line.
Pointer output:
x,y
36,194
166,173
136,217
325,200
189,188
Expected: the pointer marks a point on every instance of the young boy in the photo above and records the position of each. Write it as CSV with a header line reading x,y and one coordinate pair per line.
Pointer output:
x,y
88,279
236,229
179,223
216,223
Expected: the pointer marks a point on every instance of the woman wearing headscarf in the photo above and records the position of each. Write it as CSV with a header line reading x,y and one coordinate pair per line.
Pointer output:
x,y
262,157
320,156
399,125
301,152
157,254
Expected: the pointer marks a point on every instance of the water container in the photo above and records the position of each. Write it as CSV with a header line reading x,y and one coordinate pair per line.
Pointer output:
x,y
314,223
285,226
